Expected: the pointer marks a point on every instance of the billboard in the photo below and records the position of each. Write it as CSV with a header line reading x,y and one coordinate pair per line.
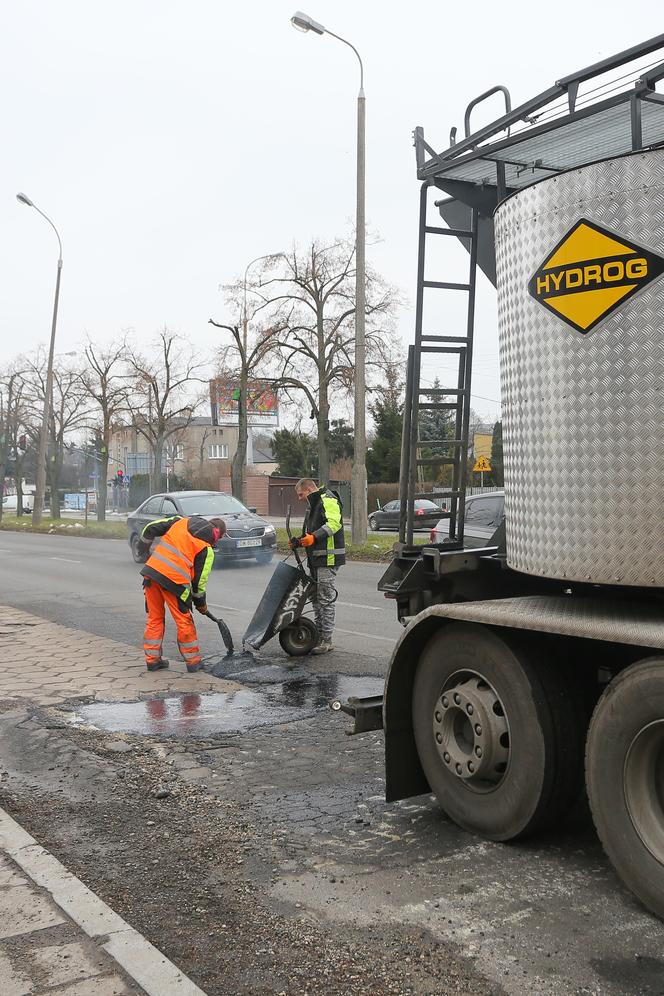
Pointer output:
x,y
262,402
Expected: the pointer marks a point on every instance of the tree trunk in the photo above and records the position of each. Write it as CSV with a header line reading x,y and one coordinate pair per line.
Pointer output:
x,y
156,476
102,482
19,491
239,466
323,420
53,480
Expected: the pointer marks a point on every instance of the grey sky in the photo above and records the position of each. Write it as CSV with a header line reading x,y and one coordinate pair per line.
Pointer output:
x,y
173,142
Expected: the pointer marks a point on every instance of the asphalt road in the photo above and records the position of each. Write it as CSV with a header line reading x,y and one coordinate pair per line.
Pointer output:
x,y
94,585
545,916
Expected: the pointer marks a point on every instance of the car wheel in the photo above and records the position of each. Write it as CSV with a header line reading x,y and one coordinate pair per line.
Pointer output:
x,y
499,731
138,551
373,525
264,556
300,638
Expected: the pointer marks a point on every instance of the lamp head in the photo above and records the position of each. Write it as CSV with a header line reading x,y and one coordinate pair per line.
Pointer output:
x,y
24,199
303,22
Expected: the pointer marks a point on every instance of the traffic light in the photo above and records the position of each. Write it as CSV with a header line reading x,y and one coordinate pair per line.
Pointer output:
x,y
120,475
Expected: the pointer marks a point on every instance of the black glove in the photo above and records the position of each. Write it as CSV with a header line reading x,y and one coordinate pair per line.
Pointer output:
x,y
200,603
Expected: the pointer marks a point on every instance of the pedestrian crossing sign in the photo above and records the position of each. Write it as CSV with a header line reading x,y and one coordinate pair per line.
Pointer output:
x,y
482,465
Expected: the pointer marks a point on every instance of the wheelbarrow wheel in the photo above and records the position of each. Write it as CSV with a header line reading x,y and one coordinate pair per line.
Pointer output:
x,y
300,638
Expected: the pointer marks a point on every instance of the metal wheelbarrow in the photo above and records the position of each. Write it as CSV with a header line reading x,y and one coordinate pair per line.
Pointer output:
x,y
280,610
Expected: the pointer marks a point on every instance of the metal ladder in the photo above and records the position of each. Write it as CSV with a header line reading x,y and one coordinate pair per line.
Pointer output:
x,y
451,399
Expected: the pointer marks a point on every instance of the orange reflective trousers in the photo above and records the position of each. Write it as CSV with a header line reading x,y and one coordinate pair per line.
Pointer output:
x,y
156,599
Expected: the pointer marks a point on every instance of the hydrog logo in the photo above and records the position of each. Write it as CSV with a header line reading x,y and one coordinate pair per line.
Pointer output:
x,y
590,273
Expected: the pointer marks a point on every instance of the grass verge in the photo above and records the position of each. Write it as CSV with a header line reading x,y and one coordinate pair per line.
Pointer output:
x,y
67,527
376,549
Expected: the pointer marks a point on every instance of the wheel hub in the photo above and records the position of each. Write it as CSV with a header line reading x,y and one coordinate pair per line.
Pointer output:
x,y
470,730
643,784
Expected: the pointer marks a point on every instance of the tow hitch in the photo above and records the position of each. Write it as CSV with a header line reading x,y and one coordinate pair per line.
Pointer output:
x,y
366,712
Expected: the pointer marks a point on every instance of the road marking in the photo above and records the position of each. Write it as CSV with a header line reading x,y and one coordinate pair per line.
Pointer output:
x,y
65,561
366,636
230,608
360,605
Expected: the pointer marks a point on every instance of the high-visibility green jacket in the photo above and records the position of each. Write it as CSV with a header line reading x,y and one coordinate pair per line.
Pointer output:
x,y
324,520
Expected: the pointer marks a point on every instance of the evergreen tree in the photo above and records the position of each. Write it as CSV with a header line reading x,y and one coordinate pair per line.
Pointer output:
x,y
341,440
295,452
497,471
384,456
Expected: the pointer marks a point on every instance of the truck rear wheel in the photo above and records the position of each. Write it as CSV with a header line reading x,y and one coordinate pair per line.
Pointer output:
x,y
625,778
499,731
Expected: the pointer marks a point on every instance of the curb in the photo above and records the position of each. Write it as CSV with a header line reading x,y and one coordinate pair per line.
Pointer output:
x,y
142,961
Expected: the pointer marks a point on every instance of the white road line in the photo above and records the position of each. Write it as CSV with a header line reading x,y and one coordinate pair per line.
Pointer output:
x,y
361,605
65,561
230,608
366,636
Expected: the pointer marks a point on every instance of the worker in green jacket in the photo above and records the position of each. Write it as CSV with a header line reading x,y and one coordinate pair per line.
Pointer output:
x,y
323,540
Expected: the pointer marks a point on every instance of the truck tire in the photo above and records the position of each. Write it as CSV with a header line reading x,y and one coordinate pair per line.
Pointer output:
x,y
625,778
499,731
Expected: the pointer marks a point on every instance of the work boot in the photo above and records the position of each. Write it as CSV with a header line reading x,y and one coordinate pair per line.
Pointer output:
x,y
159,665
324,647
192,668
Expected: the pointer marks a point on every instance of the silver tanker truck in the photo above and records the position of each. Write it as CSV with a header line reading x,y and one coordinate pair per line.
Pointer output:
x,y
535,664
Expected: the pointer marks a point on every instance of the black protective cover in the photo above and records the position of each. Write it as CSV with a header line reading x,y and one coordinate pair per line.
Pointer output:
x,y
282,603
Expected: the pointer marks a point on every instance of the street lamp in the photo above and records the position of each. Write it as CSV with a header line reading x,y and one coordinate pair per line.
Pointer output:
x,y
40,482
305,23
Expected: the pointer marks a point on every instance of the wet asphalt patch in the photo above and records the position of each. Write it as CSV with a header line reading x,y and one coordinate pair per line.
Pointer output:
x,y
277,697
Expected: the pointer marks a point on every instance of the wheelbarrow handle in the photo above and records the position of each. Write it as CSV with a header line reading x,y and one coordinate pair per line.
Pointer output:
x,y
290,537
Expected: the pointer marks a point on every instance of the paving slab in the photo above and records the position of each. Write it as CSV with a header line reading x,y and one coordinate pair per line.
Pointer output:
x,y
46,663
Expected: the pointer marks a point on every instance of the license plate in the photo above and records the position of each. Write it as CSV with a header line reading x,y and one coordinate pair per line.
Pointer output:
x,y
250,542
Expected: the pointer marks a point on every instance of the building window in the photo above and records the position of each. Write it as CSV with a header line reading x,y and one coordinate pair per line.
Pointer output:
x,y
218,451
178,451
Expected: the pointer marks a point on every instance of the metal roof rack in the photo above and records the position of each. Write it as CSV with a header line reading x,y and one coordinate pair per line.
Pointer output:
x,y
559,129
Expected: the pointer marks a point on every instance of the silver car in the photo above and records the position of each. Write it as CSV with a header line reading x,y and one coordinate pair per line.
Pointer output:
x,y
483,515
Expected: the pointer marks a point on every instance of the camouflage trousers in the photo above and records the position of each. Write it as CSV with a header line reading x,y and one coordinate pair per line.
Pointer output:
x,y
324,599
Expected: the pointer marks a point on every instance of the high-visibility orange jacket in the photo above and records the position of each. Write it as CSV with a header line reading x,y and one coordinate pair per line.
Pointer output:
x,y
182,558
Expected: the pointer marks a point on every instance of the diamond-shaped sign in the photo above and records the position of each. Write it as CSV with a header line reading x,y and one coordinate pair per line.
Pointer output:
x,y
590,273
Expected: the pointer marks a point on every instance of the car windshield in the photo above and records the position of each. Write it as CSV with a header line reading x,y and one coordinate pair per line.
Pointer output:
x,y
211,505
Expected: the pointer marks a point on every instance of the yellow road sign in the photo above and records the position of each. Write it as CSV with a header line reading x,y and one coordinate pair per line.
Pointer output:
x,y
481,465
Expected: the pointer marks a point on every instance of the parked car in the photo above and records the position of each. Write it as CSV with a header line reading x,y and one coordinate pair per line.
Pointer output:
x,y
483,515
427,514
247,535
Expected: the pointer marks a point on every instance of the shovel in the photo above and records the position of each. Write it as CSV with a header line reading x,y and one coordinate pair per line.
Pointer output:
x,y
225,633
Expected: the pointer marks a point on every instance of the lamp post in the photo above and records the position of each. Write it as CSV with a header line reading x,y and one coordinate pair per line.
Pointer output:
x,y
40,480
303,22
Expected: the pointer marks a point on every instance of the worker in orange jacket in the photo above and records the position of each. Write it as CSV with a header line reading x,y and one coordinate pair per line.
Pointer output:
x,y
176,575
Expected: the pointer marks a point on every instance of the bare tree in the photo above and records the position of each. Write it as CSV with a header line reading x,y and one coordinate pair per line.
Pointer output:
x,y
69,413
308,304
242,361
105,383
165,394
15,426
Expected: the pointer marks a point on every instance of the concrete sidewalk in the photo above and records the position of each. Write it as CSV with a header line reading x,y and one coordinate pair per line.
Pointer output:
x,y
56,936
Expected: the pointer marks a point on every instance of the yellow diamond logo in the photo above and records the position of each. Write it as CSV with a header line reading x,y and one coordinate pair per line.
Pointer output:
x,y
590,273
